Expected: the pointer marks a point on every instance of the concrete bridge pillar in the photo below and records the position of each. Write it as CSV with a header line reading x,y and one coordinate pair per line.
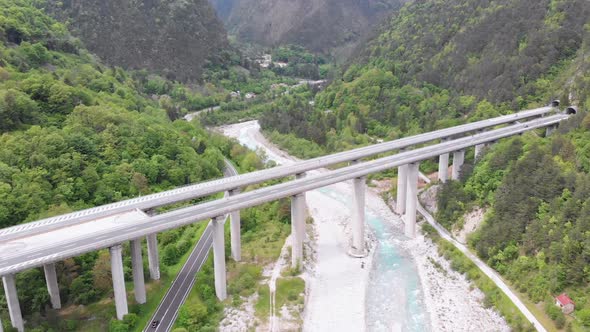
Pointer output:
x,y
358,217
16,317
411,200
479,147
304,209
297,218
550,130
443,167
153,259
1,327
118,281
297,226
219,257
137,266
402,181
236,244
52,287
458,160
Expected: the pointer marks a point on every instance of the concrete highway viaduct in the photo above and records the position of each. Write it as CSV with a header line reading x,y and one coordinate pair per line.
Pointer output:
x,y
45,242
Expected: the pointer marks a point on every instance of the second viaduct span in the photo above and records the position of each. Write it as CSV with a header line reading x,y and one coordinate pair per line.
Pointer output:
x,y
47,241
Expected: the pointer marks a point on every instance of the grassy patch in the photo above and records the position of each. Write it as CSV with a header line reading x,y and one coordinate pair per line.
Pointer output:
x,y
262,306
289,291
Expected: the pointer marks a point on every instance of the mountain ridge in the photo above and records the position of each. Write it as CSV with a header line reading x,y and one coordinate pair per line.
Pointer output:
x,y
178,39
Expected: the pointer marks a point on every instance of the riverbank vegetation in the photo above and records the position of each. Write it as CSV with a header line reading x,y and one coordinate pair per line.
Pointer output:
x,y
494,297
536,233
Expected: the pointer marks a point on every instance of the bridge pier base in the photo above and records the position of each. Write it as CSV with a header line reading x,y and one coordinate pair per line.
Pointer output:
x,y
236,242
549,130
458,160
153,259
358,217
118,280
443,167
219,258
402,181
52,287
411,201
16,317
137,266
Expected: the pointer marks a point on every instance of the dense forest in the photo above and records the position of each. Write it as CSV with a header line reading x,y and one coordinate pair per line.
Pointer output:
x,y
326,26
434,65
176,39
440,63
537,229
76,133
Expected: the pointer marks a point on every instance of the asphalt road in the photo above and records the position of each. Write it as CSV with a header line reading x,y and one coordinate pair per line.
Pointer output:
x,y
182,285
13,262
224,184
167,311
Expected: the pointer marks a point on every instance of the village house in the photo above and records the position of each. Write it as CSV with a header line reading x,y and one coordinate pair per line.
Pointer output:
x,y
565,303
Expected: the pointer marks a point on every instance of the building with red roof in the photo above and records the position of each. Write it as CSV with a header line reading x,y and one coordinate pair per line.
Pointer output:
x,y
565,303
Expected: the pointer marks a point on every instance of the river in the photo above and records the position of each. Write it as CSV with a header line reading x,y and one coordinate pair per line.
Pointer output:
x,y
343,295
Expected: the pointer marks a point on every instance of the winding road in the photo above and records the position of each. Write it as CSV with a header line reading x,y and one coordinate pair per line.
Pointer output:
x,y
484,268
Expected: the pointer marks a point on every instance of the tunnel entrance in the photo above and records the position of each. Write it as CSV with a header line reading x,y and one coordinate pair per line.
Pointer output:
x,y
571,110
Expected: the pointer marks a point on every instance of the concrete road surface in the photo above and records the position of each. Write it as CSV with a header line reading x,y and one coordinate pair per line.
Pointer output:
x,y
182,285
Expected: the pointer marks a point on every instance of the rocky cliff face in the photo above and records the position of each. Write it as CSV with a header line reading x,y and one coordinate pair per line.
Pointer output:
x,y
319,25
176,38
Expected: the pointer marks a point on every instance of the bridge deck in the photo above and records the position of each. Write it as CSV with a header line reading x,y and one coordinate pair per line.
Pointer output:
x,y
220,185
117,231
40,246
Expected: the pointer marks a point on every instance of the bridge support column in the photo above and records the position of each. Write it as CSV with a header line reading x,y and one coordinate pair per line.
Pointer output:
x,y
479,147
118,281
458,160
153,259
443,167
1,327
236,242
219,257
297,218
137,266
411,201
549,130
16,317
304,211
358,217
297,226
402,181
52,287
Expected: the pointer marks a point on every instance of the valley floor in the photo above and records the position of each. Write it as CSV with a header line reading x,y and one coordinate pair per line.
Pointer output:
x,y
337,284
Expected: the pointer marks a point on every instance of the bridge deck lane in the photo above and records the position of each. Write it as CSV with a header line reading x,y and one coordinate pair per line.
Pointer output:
x,y
214,186
220,207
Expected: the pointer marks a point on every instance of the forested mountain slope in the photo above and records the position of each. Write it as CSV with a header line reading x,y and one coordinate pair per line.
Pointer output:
x,y
436,63
494,49
75,133
175,38
319,25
